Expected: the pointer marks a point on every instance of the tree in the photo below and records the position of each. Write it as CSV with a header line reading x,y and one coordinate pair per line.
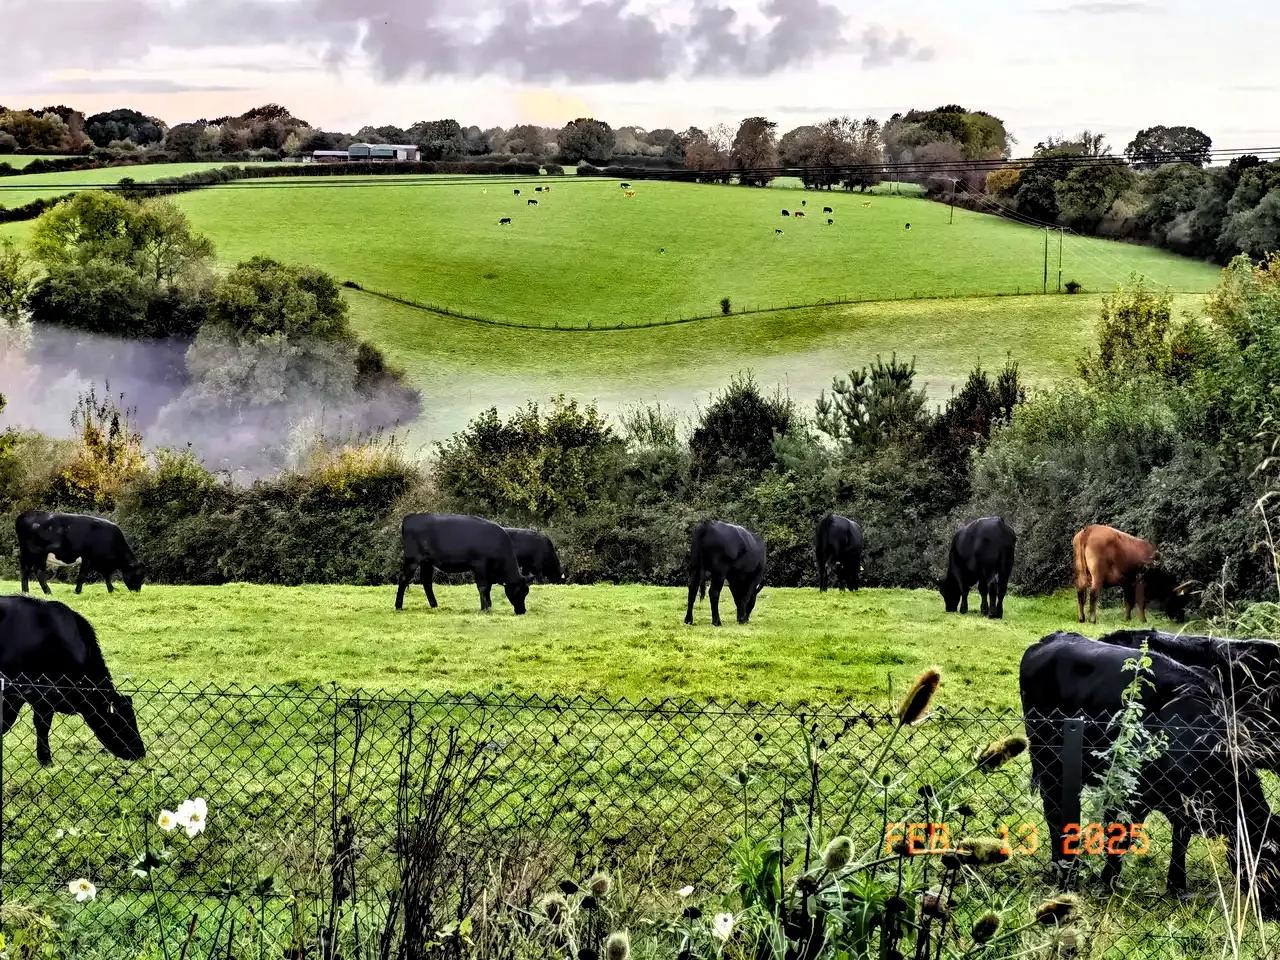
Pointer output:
x,y
187,141
737,431
261,297
1158,145
876,405
755,147
1088,190
1135,329
16,282
123,124
101,296
586,139
438,139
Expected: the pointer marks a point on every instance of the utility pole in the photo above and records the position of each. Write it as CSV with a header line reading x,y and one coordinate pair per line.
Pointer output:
x,y
1061,231
1044,288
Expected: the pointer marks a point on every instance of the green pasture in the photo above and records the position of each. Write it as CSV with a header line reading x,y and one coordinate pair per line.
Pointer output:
x,y
612,641
18,190
589,256
20,160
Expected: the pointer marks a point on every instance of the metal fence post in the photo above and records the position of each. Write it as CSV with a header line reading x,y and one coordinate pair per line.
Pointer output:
x,y
3,696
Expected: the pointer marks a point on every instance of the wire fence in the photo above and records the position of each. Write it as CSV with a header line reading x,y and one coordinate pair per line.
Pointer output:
x,y
315,798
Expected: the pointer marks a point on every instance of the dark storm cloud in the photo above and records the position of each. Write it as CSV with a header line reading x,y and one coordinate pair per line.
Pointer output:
x,y
582,41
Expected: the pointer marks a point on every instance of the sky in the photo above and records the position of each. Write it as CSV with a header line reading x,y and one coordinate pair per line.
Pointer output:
x,y
1048,67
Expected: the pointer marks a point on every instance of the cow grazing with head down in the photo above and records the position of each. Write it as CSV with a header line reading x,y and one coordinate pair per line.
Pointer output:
x,y
504,222
1103,557
982,556
98,544
458,544
536,555
786,213
725,551
827,210
50,658
1197,780
531,203
838,541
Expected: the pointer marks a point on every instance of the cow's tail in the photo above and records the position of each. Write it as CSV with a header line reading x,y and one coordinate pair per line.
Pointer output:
x,y
820,550
696,568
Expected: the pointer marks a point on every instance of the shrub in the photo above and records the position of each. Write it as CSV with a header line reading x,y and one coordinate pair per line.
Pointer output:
x,y
737,430
1073,286
553,169
726,307
108,455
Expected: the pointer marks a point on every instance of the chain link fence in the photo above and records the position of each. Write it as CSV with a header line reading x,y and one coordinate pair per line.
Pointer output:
x,y
317,798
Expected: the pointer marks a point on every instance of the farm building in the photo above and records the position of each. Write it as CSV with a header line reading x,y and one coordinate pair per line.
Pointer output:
x,y
369,151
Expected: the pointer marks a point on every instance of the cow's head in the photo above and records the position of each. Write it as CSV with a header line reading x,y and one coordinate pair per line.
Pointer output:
x,y
113,721
516,591
951,593
1174,595
133,575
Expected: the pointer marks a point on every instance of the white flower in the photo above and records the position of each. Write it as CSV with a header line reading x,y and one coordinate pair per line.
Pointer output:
x,y
684,891
59,834
722,926
167,821
82,890
193,815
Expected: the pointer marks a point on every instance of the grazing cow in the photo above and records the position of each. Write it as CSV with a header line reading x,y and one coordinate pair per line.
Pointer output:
x,y
455,544
98,544
786,213
516,192
798,214
908,226
504,222
1194,780
1246,671
777,232
536,555
838,540
827,210
546,189
537,189
982,556
1103,556
625,186
830,221
866,203
725,551
50,658
532,203
804,203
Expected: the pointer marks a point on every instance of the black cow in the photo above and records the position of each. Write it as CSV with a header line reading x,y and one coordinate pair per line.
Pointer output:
x,y
981,556
625,186
531,203
1247,672
830,221
537,189
786,213
827,210
50,658
504,222
725,551
98,544
838,540
455,544
516,192
1195,780
536,555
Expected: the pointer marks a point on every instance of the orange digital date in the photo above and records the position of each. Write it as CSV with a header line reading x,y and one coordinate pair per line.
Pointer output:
x,y
1110,839
918,838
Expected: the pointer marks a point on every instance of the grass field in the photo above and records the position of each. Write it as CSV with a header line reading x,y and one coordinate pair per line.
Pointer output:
x,y
588,256
20,160
615,641
23,188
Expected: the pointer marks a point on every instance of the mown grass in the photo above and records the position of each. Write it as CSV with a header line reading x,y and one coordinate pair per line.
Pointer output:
x,y
587,255
613,641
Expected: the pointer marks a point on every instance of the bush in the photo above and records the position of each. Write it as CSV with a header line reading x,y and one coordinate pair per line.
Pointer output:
x,y
99,296
553,169
725,306
1073,286
737,430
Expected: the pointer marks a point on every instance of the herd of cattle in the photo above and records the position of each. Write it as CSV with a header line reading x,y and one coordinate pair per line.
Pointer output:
x,y
1214,704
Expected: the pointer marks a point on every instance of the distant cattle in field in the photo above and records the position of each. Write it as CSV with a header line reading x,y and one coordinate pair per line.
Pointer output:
x,y
629,193
546,189
786,213
981,555
532,203
798,214
908,226
662,249
804,203
725,551
516,192
504,222
830,221
866,203
624,186
827,210
837,542
459,544
98,544
536,555
777,232
1104,557
50,658
537,189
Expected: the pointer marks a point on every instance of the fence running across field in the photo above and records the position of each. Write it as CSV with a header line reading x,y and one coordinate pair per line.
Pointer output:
x,y
305,789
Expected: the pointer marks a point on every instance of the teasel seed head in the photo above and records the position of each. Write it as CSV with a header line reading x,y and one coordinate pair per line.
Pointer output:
x,y
617,947
915,705
999,752
1058,909
987,926
838,853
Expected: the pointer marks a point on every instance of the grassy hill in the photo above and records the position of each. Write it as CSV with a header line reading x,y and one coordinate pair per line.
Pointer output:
x,y
20,160
23,188
587,256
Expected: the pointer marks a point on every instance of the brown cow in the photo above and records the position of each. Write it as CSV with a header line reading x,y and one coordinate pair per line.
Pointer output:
x,y
1106,557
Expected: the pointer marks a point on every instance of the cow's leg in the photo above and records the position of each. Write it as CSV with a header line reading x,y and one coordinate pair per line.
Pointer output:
x,y
43,720
1064,864
1081,592
81,577
822,575
717,584
24,570
1140,598
483,586
1177,880
964,598
1117,845
407,569
1094,590
428,571
1128,590
695,581
984,588
12,707
110,586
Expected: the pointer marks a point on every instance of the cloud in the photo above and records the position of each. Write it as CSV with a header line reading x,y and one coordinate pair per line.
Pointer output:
x,y
879,49
577,41
1103,8
132,85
